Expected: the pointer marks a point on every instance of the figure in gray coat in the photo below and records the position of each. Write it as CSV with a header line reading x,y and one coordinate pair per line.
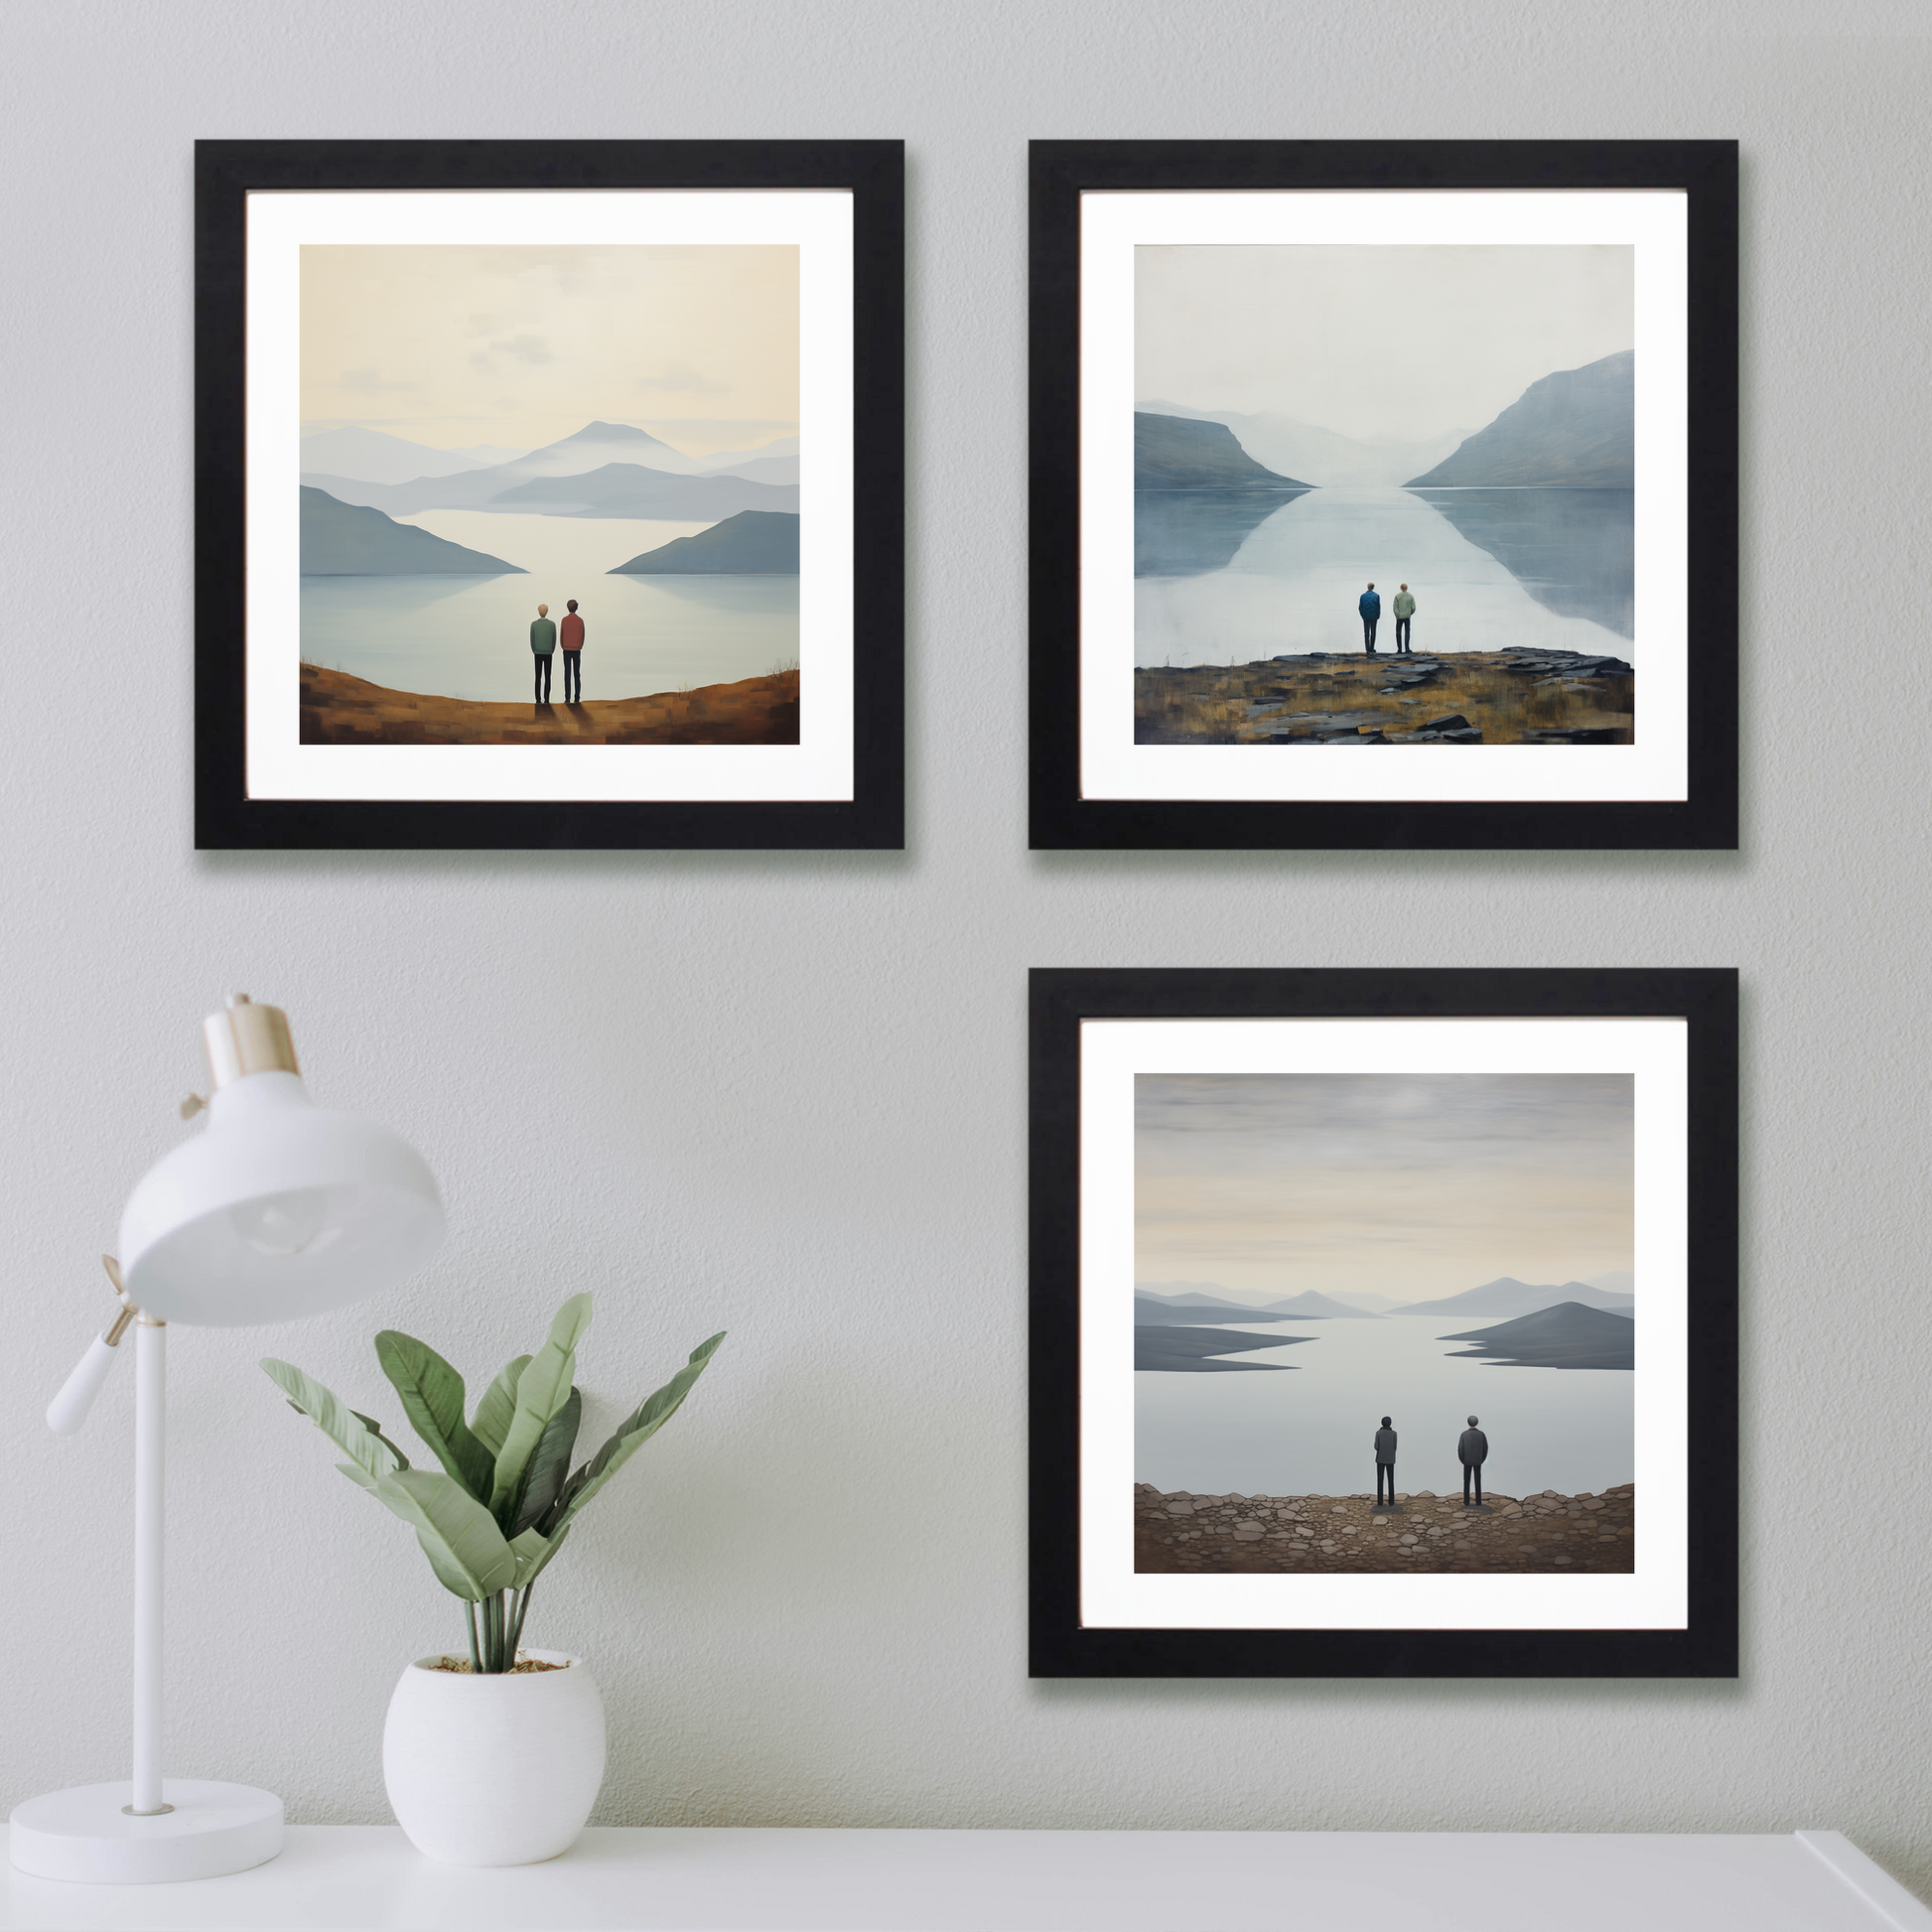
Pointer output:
x,y
1473,1449
1384,1462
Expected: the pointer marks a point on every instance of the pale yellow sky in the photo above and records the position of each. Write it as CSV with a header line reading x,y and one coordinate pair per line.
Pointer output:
x,y
454,346
1409,1185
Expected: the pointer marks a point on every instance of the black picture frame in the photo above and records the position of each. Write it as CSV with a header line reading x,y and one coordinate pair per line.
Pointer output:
x,y
1062,172
1061,999
226,817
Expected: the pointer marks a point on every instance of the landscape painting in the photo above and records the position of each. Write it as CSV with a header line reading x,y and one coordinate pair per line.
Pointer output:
x,y
1384,1323
1385,494
549,494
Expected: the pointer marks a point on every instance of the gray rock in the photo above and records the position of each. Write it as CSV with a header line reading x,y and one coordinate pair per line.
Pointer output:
x,y
1454,722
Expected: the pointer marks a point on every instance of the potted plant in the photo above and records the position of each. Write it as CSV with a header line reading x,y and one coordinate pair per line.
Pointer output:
x,y
495,1759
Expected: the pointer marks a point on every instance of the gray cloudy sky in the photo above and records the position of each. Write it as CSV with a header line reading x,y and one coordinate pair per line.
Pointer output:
x,y
1409,1185
1373,340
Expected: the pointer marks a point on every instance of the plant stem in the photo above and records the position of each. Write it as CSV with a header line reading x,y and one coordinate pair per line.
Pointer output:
x,y
494,1634
476,1660
517,1630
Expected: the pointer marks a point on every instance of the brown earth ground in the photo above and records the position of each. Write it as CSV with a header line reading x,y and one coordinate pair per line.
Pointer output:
x,y
338,708
1207,704
1544,1535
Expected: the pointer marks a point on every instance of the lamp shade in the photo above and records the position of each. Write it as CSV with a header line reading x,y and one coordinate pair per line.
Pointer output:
x,y
277,1209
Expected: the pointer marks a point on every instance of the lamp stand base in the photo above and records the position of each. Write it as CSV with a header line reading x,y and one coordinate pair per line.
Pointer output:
x,y
84,1837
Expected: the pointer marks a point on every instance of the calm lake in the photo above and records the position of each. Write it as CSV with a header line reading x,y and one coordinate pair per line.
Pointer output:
x,y
1244,574
470,636
1311,1431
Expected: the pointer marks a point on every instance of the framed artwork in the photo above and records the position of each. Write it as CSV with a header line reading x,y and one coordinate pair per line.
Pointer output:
x,y
1384,1323
1422,446
549,494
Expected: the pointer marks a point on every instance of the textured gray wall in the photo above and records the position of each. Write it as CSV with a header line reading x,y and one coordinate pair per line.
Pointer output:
x,y
784,1095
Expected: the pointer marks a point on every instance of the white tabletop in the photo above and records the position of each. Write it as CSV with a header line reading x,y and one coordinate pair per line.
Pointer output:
x,y
367,1878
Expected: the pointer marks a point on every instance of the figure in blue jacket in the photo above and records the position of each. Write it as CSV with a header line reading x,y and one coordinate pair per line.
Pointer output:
x,y
1371,609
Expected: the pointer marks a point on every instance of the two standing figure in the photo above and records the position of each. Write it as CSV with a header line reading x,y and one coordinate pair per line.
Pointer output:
x,y
1472,1449
1370,606
544,641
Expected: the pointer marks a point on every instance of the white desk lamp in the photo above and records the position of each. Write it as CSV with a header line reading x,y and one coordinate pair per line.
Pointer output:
x,y
276,1210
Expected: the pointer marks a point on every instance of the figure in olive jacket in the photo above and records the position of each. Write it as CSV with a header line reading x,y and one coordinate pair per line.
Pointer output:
x,y
543,640
1370,606
1404,608
1473,1449
1384,1461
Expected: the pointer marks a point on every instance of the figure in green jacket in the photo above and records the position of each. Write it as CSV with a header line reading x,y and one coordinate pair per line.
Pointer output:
x,y
1405,609
543,640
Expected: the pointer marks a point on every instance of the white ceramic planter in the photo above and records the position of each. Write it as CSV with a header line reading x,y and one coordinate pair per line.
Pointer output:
x,y
493,1770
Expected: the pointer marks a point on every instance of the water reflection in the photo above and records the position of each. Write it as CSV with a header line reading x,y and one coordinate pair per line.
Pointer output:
x,y
1184,532
1293,581
1572,550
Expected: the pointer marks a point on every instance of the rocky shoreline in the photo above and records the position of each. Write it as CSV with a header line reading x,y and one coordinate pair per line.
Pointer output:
x,y
339,709
1318,698
1547,1534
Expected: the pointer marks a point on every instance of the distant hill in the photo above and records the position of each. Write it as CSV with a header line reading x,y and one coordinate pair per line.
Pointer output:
x,y
1311,1306
1362,1298
1197,1293
752,543
373,456
1507,1296
760,469
1173,453
1576,429
1190,1350
594,446
1569,1335
344,540
1165,1315
1619,1281
629,489
1323,456
731,459
1187,1292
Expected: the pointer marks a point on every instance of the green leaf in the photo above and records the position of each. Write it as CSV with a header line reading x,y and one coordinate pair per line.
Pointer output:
x,y
432,1397
491,1422
631,1435
459,1535
334,1419
376,1428
541,1391
549,1464
532,1551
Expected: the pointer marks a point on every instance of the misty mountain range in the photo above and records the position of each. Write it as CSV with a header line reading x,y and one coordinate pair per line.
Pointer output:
x,y
1507,1296
603,470
1307,1307
1324,456
1615,1292
1573,429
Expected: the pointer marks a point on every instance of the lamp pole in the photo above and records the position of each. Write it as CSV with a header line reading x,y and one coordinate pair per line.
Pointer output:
x,y
150,1533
